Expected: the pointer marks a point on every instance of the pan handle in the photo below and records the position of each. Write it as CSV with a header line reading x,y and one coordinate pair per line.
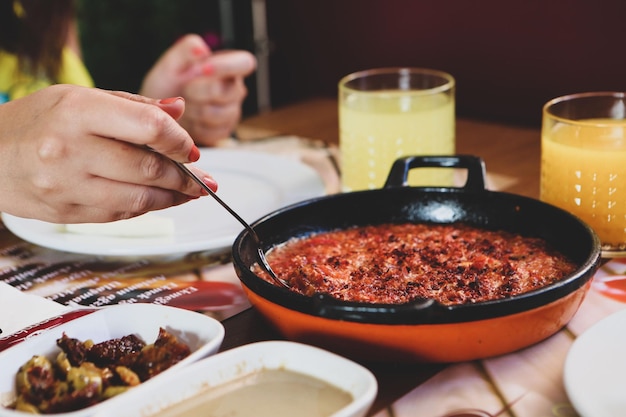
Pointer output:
x,y
417,311
398,176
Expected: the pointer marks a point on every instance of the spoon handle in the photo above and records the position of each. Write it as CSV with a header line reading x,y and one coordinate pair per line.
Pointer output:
x,y
245,224
219,200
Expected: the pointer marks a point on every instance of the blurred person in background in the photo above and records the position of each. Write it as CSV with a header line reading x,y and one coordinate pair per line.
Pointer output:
x,y
72,153
39,46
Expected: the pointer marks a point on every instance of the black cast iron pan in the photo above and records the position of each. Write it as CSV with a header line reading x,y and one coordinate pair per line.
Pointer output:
x,y
397,202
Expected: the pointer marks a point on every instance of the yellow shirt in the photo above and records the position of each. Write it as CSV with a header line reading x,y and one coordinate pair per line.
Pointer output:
x,y
15,84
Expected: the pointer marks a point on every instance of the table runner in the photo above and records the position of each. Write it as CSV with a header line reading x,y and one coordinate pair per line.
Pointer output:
x,y
527,383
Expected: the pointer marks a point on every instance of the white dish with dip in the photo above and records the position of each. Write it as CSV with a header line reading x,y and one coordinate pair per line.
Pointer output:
x,y
232,369
203,335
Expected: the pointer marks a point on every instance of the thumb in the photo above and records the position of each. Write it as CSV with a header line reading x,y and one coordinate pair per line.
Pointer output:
x,y
180,63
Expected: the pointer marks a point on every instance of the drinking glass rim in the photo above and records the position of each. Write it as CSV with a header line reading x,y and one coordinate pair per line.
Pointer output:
x,y
448,85
548,106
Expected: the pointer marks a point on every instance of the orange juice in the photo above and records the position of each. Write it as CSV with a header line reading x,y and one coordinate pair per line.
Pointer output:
x,y
583,170
378,127
388,113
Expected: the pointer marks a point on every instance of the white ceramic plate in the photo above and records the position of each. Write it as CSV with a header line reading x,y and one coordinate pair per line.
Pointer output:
x,y
595,369
203,335
252,183
223,367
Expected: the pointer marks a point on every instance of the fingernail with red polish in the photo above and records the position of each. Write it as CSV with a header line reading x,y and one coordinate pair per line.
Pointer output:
x,y
208,69
170,100
199,51
194,154
211,183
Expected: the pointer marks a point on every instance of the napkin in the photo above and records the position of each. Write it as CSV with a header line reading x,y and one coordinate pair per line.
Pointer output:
x,y
20,309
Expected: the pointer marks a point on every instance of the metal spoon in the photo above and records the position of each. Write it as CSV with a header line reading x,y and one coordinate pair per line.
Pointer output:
x,y
245,224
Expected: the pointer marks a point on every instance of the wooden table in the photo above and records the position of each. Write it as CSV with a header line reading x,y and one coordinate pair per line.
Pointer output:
x,y
508,151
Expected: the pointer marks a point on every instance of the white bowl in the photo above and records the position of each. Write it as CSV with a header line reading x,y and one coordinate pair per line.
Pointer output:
x,y
203,335
156,395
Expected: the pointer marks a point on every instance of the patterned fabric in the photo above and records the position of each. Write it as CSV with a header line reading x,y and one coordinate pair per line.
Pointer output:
x,y
15,84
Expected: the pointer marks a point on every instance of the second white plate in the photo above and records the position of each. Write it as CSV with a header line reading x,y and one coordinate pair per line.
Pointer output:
x,y
595,369
252,183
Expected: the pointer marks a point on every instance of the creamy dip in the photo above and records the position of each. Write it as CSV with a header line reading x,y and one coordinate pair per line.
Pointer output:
x,y
267,393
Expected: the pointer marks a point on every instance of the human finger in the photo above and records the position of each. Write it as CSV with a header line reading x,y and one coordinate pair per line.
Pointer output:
x,y
121,162
143,121
213,115
229,63
177,65
106,200
205,135
210,89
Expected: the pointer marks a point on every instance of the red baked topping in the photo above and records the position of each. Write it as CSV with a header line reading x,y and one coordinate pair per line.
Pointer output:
x,y
397,263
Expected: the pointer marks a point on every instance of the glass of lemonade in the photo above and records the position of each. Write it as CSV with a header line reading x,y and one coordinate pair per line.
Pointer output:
x,y
583,162
388,113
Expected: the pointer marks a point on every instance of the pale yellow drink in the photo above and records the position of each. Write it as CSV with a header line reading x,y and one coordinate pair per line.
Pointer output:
x,y
379,126
583,170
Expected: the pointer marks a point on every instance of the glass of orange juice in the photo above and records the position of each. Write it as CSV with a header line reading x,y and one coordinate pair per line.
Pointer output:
x,y
583,162
388,113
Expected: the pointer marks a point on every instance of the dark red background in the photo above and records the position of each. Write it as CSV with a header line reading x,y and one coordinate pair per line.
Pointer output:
x,y
508,57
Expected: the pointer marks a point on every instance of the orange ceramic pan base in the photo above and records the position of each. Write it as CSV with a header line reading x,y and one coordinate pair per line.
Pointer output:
x,y
439,343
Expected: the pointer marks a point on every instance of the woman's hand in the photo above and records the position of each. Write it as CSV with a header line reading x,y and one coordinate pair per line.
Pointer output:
x,y
211,83
71,154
